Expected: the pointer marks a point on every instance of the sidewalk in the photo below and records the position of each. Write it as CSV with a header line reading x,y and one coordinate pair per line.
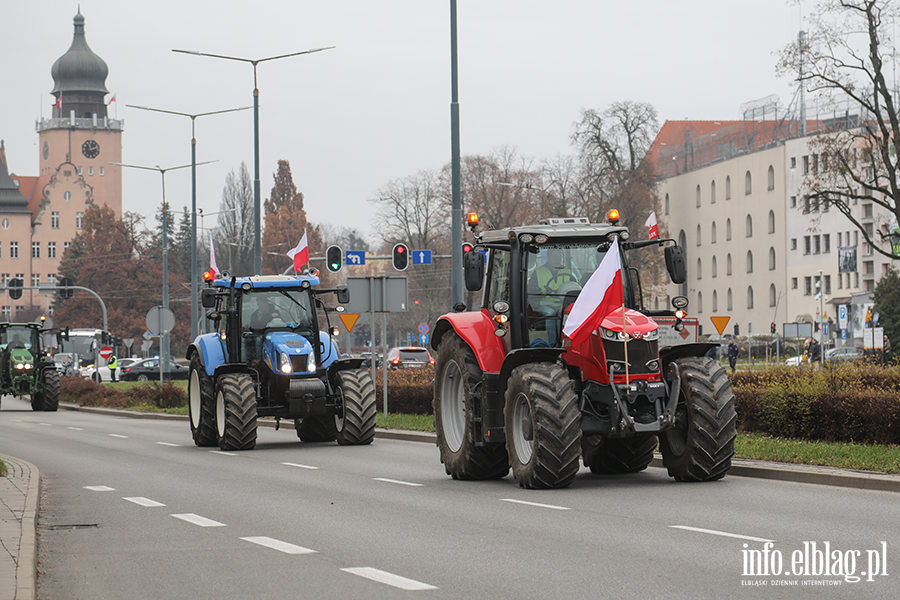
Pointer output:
x,y
18,512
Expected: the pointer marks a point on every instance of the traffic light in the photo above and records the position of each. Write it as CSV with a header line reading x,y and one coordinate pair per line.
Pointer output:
x,y
772,328
467,247
334,258
737,330
66,292
400,257
15,288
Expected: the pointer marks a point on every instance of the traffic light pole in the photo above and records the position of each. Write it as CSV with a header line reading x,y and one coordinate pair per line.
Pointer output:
x,y
45,288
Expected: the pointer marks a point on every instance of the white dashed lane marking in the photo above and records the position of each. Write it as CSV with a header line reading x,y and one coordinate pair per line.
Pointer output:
x,y
118,435
721,533
301,466
399,482
198,520
144,501
46,424
389,578
167,444
537,504
222,453
99,488
75,428
278,545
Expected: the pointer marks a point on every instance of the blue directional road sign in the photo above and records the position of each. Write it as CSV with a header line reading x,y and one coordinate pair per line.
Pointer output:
x,y
423,339
421,257
355,258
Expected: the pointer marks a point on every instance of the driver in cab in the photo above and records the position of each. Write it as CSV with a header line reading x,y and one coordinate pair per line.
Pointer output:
x,y
546,288
265,312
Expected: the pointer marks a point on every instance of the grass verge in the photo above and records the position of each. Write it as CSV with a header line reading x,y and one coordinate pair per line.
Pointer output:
x,y
863,457
2,469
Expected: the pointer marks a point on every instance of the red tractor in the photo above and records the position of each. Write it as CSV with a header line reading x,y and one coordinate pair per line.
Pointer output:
x,y
510,390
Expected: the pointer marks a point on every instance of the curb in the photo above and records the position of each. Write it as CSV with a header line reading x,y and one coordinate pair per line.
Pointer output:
x,y
740,467
26,568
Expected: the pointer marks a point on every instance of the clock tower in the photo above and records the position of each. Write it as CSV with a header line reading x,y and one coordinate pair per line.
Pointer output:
x,y
80,140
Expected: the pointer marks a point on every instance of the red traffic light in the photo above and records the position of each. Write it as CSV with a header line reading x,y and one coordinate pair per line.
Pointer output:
x,y
467,247
400,257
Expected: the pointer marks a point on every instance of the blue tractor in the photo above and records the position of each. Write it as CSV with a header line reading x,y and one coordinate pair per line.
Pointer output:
x,y
268,358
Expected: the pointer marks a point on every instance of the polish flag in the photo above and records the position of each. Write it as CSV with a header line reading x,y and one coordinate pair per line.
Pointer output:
x,y
602,294
59,102
213,267
111,100
651,223
300,254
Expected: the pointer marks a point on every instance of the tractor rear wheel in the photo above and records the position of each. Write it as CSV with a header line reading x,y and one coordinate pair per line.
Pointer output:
x,y
629,455
357,425
202,405
543,426
236,412
50,382
316,428
701,445
456,376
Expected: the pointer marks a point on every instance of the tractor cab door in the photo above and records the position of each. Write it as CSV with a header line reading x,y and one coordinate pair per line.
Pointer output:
x,y
497,294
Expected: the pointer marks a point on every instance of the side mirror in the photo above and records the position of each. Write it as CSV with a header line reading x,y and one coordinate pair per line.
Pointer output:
x,y
473,265
343,294
676,264
208,297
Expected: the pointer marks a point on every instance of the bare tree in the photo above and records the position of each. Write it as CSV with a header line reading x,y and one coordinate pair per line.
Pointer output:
x,y
234,233
846,55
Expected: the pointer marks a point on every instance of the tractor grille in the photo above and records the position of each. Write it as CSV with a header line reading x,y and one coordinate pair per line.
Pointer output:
x,y
643,356
299,362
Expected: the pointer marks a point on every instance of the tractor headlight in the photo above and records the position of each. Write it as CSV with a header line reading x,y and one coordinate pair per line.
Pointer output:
x,y
29,366
285,365
652,336
20,366
609,334
311,367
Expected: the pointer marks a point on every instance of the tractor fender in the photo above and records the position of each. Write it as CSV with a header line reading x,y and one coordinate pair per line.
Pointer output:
x,y
669,354
520,357
328,351
343,364
477,330
210,349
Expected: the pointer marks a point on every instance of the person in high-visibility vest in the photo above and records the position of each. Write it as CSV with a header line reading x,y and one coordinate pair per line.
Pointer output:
x,y
546,288
112,363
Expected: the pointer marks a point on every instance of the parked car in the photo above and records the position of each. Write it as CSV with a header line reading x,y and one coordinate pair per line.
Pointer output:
x,y
409,357
843,355
148,369
793,361
100,375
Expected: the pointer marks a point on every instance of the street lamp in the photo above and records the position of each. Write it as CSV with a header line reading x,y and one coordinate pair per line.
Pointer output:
x,y
164,343
257,247
195,286
456,270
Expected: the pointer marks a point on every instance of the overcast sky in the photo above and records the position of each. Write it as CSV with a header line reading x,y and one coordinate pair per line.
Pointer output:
x,y
376,108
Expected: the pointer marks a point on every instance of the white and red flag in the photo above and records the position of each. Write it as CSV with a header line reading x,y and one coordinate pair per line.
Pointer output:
x,y
602,294
300,254
59,102
651,224
111,100
213,267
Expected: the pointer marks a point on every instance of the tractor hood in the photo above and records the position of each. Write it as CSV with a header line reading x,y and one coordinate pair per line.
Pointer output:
x,y
288,353
635,324
20,360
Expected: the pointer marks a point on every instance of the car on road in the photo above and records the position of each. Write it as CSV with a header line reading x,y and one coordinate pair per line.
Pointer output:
x,y
99,375
148,370
844,354
793,361
409,357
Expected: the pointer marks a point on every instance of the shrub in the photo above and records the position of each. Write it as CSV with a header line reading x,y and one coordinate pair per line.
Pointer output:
x,y
90,393
409,390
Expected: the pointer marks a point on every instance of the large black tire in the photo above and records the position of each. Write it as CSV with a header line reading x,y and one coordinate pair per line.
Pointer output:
x,y
37,401
543,426
357,426
202,405
702,444
316,428
51,389
236,412
607,457
456,375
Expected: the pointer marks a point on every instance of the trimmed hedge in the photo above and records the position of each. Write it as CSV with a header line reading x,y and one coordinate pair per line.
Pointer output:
x,y
409,391
90,393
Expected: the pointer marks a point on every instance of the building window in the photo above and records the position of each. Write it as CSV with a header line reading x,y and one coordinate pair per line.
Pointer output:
x,y
90,170
698,196
869,267
51,278
667,204
728,188
749,226
828,284
806,165
699,269
856,280
728,299
793,283
699,236
749,297
66,246
102,172
772,294
4,279
6,313
728,264
715,267
749,261
748,184
815,164
807,286
14,249
793,201
715,301
713,233
807,244
793,243
67,196
54,220
867,211
79,218
51,249
771,221
712,192
728,230
699,302
826,241
35,279
840,281
772,259
35,249
793,162
771,178
805,205
817,244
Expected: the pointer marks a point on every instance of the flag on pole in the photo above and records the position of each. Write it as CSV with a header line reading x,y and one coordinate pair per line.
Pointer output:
x,y
59,102
213,267
111,100
651,223
300,254
602,294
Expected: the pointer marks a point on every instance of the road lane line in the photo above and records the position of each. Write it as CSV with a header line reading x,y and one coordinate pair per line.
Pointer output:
x,y
278,545
75,428
301,466
144,501
99,488
538,504
167,444
118,435
398,482
389,578
722,533
222,453
46,424
198,520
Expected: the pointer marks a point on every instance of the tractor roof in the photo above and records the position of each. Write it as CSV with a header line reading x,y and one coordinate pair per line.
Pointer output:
x,y
32,325
259,282
554,229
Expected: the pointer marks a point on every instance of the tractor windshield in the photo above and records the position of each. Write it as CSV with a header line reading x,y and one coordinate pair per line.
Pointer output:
x,y
16,337
556,274
279,307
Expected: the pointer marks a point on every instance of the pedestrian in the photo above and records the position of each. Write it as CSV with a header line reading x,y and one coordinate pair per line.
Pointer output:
x,y
732,355
112,363
815,352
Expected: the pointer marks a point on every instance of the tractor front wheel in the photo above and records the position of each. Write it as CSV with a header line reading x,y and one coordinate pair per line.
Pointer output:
x,y
356,426
202,405
543,426
236,412
629,455
456,376
50,384
701,445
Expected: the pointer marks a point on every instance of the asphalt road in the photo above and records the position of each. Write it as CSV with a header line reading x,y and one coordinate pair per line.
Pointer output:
x,y
132,509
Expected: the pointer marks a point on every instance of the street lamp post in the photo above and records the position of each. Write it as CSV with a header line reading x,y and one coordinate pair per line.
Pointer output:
x,y
195,286
257,245
456,270
164,341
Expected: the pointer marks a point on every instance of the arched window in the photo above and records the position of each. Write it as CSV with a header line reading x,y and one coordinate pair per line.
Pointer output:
x,y
667,204
771,221
749,226
715,267
699,269
715,301
698,195
749,261
713,233
771,178
728,187
728,264
772,298
750,296
748,184
682,241
728,300
772,259
699,236
728,230
699,302
712,192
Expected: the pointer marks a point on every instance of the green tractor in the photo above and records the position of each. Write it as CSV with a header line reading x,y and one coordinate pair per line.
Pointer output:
x,y
25,368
